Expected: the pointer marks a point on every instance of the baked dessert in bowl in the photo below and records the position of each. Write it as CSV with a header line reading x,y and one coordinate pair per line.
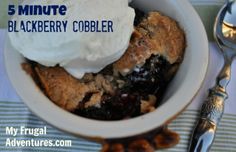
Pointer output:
x,y
178,95
129,87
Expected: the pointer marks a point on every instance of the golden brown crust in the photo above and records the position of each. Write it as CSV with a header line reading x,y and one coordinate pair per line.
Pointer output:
x,y
140,145
113,148
166,139
157,35
160,138
67,91
148,105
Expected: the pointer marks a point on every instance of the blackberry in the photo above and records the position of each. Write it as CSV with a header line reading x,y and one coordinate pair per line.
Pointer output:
x,y
117,107
149,78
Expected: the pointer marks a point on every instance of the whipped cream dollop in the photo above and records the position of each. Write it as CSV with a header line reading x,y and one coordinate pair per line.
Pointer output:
x,y
77,52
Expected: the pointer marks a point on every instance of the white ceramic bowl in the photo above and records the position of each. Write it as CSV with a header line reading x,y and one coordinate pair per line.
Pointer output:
x,y
180,93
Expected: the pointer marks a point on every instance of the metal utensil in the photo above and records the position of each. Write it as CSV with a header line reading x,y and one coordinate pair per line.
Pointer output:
x,y
213,107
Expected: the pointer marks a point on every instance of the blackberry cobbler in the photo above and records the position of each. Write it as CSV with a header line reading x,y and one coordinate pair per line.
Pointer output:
x,y
131,86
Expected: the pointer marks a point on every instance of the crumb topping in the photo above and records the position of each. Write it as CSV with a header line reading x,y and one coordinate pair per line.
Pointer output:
x,y
155,35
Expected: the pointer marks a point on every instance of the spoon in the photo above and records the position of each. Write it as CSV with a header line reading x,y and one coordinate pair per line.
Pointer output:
x,y
213,108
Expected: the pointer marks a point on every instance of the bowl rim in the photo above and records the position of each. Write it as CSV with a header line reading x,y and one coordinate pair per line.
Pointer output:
x,y
110,129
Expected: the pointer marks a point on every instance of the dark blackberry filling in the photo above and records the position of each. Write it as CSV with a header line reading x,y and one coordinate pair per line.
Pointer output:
x,y
145,80
149,78
117,107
